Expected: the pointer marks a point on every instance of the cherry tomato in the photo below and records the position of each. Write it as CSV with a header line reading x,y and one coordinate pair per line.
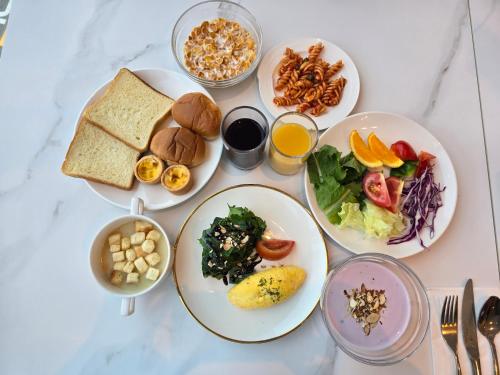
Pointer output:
x,y
403,150
424,159
375,189
274,249
395,188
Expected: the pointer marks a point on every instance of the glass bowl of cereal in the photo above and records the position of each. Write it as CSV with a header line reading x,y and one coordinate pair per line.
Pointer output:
x,y
217,43
375,308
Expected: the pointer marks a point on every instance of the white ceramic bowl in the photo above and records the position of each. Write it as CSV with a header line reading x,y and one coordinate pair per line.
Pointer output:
x,y
102,278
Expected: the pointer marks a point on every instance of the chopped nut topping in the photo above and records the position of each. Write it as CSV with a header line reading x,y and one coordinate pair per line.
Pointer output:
x,y
365,306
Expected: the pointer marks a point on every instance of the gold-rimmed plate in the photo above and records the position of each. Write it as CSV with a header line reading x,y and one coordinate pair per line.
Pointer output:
x,y
206,298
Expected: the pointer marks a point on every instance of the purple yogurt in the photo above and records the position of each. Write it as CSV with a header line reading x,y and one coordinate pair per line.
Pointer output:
x,y
375,275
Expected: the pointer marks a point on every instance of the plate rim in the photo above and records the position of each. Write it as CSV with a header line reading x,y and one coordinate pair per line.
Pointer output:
x,y
306,39
218,154
420,248
177,239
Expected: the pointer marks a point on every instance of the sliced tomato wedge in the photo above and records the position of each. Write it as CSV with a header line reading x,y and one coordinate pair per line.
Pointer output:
x,y
274,249
395,188
403,150
375,189
424,159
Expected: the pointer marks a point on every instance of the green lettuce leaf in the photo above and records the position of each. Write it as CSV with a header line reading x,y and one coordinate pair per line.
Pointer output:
x,y
335,179
382,223
351,216
373,220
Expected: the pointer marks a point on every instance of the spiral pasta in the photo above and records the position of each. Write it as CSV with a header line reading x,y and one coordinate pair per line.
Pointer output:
x,y
309,83
314,51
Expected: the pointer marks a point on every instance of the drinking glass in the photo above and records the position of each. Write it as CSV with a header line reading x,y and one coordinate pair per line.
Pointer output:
x,y
245,159
291,164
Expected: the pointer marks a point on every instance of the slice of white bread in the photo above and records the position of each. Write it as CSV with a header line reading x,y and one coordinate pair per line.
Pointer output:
x,y
129,110
95,155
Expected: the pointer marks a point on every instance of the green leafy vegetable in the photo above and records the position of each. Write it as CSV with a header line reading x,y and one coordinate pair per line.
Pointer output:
x,y
336,180
229,245
373,220
382,223
351,216
406,170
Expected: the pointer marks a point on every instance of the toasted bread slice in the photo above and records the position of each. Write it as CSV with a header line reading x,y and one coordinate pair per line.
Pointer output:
x,y
97,156
129,110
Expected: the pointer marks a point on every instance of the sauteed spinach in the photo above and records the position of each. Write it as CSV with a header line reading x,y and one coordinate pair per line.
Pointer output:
x,y
229,245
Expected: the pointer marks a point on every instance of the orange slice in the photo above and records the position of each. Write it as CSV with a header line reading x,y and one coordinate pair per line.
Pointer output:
x,y
362,152
380,150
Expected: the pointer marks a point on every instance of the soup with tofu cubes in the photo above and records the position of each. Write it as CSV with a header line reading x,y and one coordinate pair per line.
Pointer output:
x,y
134,256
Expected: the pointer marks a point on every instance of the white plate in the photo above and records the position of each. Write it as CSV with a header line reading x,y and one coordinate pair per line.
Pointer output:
x,y
206,298
267,75
155,197
389,128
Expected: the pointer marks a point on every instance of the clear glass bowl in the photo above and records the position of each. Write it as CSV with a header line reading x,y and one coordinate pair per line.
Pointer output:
x,y
209,10
405,320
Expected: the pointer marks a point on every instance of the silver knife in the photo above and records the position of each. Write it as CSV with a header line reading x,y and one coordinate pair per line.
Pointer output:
x,y
469,330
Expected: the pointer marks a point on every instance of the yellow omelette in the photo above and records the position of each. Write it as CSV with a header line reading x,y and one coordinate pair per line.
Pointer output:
x,y
267,288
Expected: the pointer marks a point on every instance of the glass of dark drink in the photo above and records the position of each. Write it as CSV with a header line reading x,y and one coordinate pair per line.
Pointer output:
x,y
244,132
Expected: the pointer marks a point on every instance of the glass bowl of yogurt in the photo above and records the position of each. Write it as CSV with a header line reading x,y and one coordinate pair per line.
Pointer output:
x,y
375,308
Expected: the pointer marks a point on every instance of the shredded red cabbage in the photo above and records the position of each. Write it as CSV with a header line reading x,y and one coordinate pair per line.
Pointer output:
x,y
421,201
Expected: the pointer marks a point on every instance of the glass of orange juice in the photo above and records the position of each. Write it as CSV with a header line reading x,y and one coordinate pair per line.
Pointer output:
x,y
294,136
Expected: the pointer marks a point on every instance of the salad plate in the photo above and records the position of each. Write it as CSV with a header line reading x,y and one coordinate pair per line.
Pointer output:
x,y
206,299
268,72
155,197
390,128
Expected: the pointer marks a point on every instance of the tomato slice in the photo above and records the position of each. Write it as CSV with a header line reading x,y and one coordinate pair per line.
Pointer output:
x,y
274,249
395,188
403,150
424,159
375,189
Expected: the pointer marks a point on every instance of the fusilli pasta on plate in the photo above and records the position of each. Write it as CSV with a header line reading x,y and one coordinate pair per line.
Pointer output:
x,y
308,82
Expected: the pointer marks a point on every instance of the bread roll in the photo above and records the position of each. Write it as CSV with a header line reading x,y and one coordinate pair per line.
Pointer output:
x,y
197,112
178,146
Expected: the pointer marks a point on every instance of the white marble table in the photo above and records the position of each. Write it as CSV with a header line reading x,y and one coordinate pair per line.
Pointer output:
x,y
414,58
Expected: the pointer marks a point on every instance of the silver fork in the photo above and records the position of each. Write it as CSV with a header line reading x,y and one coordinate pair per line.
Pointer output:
x,y
449,326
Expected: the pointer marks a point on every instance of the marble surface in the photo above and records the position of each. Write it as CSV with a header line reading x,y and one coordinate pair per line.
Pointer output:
x,y
485,17
414,58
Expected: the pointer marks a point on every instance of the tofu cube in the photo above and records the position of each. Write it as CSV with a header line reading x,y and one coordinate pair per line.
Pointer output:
x,y
139,252
116,277
132,278
130,255
154,235
152,274
125,243
141,265
118,266
153,259
114,239
143,226
137,238
114,248
118,256
148,246
128,267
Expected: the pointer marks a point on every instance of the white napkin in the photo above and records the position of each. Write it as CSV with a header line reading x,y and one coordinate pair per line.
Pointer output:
x,y
443,361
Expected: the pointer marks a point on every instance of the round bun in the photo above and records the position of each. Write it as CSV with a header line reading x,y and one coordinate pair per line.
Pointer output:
x,y
178,146
197,112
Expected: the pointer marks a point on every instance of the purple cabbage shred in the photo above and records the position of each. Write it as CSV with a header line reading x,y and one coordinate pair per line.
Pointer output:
x,y
421,199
